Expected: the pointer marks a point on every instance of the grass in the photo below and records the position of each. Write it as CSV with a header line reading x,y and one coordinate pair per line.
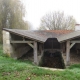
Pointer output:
x,y
11,69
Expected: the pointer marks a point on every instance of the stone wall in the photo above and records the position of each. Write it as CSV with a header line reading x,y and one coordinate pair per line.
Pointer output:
x,y
7,48
13,50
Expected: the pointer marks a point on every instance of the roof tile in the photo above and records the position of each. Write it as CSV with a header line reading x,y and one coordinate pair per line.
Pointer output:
x,y
60,31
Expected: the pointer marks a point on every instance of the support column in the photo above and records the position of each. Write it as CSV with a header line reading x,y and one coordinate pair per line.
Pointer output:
x,y
67,53
42,50
7,47
35,53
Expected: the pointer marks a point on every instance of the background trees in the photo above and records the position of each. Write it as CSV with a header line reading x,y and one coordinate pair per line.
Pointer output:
x,y
12,13
57,21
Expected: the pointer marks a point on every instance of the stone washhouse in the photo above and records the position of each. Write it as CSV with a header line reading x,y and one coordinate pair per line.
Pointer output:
x,y
47,48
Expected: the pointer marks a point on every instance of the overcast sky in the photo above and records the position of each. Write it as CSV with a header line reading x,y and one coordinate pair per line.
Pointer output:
x,y
38,8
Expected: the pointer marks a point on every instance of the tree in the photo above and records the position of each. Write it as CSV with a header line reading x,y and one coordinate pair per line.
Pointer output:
x,y
57,21
12,13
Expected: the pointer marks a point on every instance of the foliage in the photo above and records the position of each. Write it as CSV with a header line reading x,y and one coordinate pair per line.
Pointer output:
x,y
11,15
74,66
1,50
8,65
40,71
11,69
57,21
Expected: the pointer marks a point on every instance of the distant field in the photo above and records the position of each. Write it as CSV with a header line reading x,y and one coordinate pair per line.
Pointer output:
x,y
11,69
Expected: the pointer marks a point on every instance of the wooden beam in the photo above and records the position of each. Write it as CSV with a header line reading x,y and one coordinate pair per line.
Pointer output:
x,y
75,41
67,53
30,45
52,49
21,41
28,42
35,53
41,50
72,45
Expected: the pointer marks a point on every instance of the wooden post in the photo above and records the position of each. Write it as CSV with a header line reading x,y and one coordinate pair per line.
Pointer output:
x,y
35,53
42,50
67,53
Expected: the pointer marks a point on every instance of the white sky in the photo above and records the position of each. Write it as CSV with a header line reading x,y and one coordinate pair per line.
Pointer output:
x,y
38,8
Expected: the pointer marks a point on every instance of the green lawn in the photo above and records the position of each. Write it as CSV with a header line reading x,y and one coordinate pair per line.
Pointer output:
x,y
11,69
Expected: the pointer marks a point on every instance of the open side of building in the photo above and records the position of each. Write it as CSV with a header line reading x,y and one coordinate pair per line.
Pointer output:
x,y
36,44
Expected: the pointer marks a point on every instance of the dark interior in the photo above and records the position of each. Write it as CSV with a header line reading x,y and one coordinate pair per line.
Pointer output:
x,y
52,60
52,43
52,56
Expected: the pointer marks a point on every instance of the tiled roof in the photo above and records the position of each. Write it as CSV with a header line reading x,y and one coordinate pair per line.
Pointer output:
x,y
38,35
60,31
68,36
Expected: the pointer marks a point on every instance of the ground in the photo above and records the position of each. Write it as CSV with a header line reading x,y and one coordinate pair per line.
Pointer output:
x,y
11,69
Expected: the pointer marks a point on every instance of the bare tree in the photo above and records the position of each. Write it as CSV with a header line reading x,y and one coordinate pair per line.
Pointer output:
x,y
57,21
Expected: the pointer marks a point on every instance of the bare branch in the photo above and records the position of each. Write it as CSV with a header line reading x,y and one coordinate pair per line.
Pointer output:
x,y
57,21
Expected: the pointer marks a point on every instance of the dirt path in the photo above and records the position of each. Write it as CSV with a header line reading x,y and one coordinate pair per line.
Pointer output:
x,y
52,69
